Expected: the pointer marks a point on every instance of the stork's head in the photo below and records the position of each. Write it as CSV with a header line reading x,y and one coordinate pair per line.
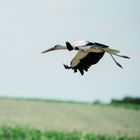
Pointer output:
x,y
56,47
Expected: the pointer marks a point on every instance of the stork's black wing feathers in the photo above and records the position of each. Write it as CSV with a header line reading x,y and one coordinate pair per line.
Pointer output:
x,y
99,44
89,44
86,62
96,44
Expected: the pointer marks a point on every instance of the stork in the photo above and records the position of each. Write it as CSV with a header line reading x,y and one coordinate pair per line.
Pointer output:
x,y
89,53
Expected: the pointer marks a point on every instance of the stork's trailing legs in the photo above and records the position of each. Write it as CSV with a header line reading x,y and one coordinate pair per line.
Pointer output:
x,y
114,52
118,64
123,56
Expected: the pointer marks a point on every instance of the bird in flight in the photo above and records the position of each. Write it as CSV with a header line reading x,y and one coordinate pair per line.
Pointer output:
x,y
89,53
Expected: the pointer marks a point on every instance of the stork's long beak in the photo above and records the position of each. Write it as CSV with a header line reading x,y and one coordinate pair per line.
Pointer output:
x,y
48,50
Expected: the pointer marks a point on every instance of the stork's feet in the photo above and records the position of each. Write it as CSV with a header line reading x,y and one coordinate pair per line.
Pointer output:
x,y
66,66
75,69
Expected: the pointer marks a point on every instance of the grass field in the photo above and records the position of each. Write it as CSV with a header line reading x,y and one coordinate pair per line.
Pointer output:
x,y
67,120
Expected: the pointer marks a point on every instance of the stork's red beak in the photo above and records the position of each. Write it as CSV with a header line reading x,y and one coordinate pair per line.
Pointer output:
x,y
48,50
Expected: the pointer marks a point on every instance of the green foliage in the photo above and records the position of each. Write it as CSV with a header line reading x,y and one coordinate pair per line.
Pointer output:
x,y
53,135
127,100
18,133
97,102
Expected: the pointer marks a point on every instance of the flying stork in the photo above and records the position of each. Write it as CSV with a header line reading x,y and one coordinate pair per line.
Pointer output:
x,y
88,54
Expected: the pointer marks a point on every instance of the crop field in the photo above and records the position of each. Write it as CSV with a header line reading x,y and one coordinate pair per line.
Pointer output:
x,y
51,120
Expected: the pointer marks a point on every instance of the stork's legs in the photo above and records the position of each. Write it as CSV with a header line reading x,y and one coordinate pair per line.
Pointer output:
x,y
113,53
123,56
116,61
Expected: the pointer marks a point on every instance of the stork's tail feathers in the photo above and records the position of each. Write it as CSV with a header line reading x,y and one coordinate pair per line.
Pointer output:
x,y
109,50
114,52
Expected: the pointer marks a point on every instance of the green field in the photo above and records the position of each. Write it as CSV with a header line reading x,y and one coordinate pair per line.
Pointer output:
x,y
61,119
17,133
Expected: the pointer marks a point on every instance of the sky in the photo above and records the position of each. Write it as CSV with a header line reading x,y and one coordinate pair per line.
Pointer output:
x,y
29,27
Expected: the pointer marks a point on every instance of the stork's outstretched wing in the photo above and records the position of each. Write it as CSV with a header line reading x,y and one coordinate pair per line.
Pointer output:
x,y
83,60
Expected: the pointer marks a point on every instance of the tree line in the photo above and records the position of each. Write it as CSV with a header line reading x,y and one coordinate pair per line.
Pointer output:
x,y
127,100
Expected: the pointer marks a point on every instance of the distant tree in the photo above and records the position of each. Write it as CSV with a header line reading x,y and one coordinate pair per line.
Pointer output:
x,y
127,100
97,102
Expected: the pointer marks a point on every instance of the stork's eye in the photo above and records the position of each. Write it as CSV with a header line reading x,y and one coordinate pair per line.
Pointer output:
x,y
55,46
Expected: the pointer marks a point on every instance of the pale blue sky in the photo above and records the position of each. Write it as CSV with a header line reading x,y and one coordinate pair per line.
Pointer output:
x,y
30,26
